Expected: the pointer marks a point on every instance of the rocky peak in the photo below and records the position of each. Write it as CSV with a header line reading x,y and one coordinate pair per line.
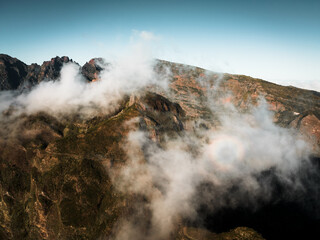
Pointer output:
x,y
12,72
92,69
15,74
51,69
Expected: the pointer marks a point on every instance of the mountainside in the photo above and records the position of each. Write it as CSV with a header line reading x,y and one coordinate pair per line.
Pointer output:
x,y
112,173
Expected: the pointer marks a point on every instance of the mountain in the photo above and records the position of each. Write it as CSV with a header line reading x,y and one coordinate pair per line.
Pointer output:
x,y
60,175
16,74
12,72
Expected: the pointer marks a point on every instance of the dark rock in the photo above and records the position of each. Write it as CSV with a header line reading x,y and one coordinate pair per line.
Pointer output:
x,y
51,69
92,69
15,74
12,72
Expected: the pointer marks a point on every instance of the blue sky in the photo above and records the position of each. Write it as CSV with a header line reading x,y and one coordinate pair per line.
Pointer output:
x,y
275,40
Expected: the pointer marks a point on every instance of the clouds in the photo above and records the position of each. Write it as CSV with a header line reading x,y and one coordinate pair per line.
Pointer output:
x,y
236,153
145,35
71,93
241,148
313,85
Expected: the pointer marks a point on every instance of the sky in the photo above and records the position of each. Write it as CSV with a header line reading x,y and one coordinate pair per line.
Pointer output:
x,y
278,41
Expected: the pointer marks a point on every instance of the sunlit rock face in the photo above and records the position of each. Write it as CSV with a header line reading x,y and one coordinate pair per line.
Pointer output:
x,y
60,173
92,69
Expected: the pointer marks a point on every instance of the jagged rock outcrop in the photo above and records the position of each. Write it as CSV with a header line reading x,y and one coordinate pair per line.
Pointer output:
x,y
12,72
15,74
92,69
32,77
51,69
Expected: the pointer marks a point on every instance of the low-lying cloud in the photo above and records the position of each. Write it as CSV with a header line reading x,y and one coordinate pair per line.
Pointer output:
x,y
236,153
72,94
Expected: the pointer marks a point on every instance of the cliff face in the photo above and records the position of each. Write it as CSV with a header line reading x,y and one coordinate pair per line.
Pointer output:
x,y
12,72
56,173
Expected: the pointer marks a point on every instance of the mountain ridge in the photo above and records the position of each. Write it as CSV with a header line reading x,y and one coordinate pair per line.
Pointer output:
x,y
89,69
59,175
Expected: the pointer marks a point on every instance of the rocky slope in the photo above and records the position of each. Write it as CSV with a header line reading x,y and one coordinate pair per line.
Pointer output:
x,y
293,107
56,174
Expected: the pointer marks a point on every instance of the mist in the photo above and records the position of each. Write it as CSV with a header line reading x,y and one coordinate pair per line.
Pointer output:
x,y
215,167
71,93
173,175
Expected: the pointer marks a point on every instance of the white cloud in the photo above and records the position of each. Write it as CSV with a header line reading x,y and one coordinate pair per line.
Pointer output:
x,y
237,152
72,94
145,35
